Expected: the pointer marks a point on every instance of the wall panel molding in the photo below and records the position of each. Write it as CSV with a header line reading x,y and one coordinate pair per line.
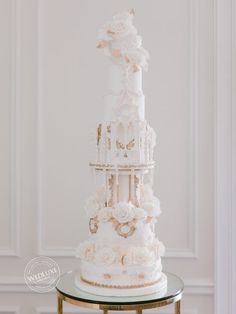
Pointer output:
x,y
192,250
9,309
13,249
225,152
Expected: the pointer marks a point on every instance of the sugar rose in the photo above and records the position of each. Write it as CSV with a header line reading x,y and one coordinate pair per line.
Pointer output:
x,y
105,256
123,212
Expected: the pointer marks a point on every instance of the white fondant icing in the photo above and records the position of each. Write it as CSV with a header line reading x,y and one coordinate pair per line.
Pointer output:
x,y
122,249
159,289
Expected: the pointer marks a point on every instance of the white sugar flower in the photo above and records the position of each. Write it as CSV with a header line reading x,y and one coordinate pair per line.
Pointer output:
x,y
92,207
140,213
85,251
100,194
152,208
143,256
119,28
146,193
105,214
127,43
123,212
124,16
105,256
148,207
95,202
137,58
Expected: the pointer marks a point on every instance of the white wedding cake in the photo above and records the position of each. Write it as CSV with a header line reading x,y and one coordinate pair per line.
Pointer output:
x,y
122,256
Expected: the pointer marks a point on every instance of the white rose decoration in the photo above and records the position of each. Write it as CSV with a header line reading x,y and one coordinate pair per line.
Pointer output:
x,y
137,58
119,28
140,213
123,212
148,207
127,43
85,251
100,195
125,16
105,214
92,207
105,256
142,256
146,193
152,207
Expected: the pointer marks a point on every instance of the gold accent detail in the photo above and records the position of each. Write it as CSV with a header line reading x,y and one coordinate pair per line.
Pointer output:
x,y
109,128
107,276
93,225
119,145
92,283
110,32
109,143
131,144
111,181
141,275
122,167
99,133
149,219
128,146
125,234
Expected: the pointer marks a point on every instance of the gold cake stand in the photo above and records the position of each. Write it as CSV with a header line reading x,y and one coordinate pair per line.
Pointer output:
x,y
68,292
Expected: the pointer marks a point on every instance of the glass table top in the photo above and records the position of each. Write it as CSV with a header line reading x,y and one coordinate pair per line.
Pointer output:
x,y
66,286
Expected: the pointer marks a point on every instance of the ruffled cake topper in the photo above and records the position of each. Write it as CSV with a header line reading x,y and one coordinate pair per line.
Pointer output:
x,y
118,39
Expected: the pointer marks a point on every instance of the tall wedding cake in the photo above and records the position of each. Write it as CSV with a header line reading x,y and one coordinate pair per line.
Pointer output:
x,y
122,256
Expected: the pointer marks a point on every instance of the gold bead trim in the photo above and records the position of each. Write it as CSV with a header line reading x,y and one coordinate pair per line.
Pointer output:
x,y
131,228
92,283
122,167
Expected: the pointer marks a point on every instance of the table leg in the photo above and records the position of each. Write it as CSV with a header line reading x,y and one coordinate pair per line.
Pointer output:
x,y
105,311
177,307
59,305
139,311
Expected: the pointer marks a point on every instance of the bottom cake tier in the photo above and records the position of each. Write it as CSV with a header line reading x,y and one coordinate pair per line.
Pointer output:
x,y
121,281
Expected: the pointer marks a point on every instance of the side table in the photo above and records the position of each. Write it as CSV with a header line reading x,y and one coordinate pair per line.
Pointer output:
x,y
68,292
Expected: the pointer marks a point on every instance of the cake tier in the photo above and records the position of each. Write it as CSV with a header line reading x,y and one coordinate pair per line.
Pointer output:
x,y
125,101
121,286
140,233
121,276
120,143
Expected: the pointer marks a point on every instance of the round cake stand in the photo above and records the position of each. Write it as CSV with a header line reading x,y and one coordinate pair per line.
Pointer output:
x,y
68,292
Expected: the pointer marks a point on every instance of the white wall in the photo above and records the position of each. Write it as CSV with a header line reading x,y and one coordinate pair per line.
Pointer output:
x,y
52,80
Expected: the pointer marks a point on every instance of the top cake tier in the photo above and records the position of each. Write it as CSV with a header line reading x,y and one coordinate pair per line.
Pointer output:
x,y
124,101
124,139
119,41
